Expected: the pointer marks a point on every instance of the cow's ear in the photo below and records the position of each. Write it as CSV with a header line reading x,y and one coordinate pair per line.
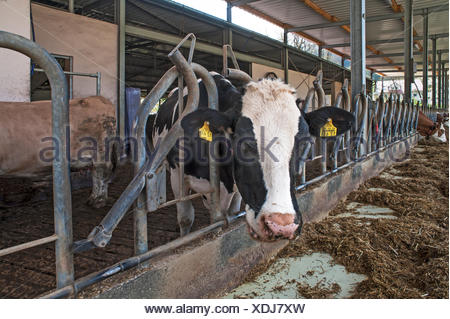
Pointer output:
x,y
320,120
217,121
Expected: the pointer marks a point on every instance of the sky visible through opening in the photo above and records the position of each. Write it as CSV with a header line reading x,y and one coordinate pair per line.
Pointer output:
x,y
218,8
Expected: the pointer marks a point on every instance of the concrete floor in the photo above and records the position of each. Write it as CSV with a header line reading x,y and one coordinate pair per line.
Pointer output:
x,y
317,269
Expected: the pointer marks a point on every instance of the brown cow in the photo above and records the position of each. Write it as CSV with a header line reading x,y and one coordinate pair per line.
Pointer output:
x,y
26,144
425,126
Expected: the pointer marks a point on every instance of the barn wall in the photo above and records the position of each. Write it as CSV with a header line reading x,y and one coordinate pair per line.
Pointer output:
x,y
91,43
14,66
295,79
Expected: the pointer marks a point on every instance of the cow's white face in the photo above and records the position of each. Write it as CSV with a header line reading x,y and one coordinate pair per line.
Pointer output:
x,y
264,140
268,134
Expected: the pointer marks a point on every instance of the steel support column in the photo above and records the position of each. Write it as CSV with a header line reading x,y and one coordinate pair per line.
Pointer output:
x,y
433,74
71,6
286,58
408,49
229,6
439,102
425,59
446,88
358,45
121,68
228,36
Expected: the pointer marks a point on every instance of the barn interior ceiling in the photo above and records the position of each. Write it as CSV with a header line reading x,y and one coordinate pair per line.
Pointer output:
x,y
146,59
327,22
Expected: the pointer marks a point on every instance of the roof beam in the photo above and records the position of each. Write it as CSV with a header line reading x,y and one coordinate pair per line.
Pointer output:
x,y
400,54
95,5
285,26
332,18
239,3
368,19
399,9
392,71
342,45
200,46
399,63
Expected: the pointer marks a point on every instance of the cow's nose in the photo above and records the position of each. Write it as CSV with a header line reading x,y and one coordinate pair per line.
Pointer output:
x,y
281,225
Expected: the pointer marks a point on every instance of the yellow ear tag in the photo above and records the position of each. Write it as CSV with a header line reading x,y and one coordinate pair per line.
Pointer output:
x,y
328,130
204,132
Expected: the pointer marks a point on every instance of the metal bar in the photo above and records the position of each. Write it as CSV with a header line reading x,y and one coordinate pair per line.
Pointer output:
x,y
71,6
395,40
95,5
131,262
425,59
358,47
446,89
373,56
71,79
433,73
181,199
238,75
439,103
140,214
121,69
395,63
62,200
323,151
285,52
97,75
200,46
319,89
227,48
101,234
30,244
408,49
399,71
416,12
99,84
229,16
92,75
241,2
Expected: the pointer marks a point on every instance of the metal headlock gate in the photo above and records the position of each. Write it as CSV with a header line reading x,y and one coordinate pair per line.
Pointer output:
x,y
378,126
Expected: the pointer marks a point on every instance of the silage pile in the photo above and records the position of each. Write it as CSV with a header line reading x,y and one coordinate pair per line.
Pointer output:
x,y
405,257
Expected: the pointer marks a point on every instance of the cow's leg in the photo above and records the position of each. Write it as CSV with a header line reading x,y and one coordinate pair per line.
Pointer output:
x,y
102,174
185,210
230,203
235,205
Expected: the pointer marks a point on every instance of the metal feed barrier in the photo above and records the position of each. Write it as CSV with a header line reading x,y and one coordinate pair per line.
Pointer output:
x,y
378,126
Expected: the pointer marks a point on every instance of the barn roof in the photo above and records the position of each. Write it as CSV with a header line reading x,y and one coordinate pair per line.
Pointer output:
x,y
383,37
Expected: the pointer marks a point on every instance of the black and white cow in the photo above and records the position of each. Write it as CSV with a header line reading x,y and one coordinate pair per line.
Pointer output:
x,y
262,133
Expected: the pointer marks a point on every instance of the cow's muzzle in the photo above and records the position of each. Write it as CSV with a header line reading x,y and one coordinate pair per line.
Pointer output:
x,y
273,226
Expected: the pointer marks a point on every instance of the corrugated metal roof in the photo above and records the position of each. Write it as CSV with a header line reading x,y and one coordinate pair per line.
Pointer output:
x,y
298,13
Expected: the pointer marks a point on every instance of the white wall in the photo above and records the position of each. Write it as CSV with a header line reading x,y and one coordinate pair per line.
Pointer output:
x,y
91,43
295,78
14,66
301,81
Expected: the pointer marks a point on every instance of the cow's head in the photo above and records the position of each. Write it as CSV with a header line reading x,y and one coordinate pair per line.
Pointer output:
x,y
268,134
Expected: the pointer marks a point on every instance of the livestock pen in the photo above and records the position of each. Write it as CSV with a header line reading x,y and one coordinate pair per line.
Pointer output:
x,y
104,245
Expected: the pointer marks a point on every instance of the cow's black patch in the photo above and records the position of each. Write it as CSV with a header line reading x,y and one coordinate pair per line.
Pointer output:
x,y
248,172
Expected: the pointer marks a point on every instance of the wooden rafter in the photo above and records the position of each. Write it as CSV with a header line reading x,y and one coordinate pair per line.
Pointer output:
x,y
399,9
285,26
332,18
326,15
